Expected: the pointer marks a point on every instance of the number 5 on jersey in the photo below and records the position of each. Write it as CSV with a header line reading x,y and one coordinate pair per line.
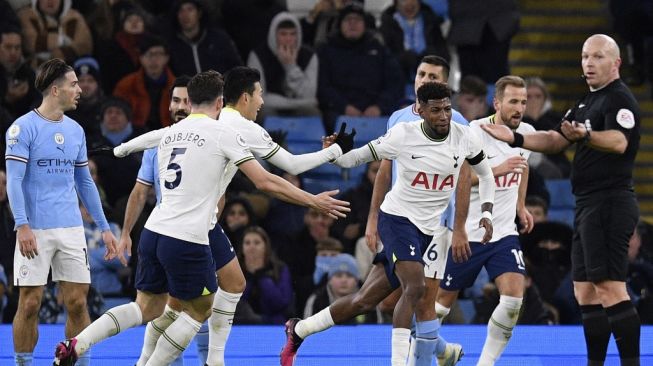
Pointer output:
x,y
175,167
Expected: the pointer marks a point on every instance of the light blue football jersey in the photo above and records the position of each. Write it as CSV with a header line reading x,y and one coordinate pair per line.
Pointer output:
x,y
148,174
52,150
408,114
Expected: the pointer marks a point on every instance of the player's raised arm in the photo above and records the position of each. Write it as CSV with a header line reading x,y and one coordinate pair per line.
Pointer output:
x,y
548,142
140,143
284,190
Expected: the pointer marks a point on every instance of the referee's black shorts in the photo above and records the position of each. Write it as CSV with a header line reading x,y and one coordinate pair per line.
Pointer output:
x,y
604,222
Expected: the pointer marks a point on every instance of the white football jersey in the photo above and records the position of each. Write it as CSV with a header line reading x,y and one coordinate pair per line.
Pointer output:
x,y
427,170
507,187
192,157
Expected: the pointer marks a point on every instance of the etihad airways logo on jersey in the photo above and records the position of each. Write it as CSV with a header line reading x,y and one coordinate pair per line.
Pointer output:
x,y
57,166
422,180
508,180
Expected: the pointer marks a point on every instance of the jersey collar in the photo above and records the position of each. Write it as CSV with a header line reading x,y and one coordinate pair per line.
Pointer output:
x,y
421,126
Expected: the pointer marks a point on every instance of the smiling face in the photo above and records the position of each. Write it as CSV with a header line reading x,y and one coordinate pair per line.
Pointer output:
x,y
437,116
600,61
253,102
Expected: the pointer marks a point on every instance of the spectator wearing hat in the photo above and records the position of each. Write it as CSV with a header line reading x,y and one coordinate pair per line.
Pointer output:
x,y
115,128
327,251
195,46
358,75
17,92
54,30
120,55
322,21
268,295
343,280
148,90
89,106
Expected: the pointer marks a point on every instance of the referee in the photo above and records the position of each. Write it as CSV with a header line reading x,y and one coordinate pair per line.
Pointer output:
x,y
604,125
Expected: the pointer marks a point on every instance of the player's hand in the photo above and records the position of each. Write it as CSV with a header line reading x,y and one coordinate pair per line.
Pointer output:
x,y
335,208
460,249
573,131
499,132
487,224
371,233
26,242
526,220
110,242
103,150
124,249
329,140
345,140
514,164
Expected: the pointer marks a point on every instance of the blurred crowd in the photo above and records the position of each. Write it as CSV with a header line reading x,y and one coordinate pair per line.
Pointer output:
x,y
337,60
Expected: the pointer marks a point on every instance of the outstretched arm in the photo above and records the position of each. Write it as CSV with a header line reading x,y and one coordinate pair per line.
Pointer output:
x,y
548,142
297,164
140,143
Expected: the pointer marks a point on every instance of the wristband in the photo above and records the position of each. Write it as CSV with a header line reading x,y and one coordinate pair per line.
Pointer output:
x,y
518,140
486,215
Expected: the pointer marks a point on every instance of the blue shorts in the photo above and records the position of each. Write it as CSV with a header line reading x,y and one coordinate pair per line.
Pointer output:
x,y
499,257
185,270
402,241
221,248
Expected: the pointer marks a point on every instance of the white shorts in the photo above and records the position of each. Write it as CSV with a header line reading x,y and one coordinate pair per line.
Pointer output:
x,y
435,256
63,249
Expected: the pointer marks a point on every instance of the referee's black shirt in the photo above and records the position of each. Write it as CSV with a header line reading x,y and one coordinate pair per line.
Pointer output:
x,y
612,107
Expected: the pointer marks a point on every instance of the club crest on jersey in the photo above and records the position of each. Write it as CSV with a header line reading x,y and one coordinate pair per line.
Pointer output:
x,y
455,159
58,138
240,140
13,132
626,118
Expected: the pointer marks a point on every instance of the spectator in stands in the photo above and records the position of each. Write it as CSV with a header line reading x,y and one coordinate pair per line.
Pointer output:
x,y
358,77
471,98
327,250
105,275
538,207
53,30
412,30
7,233
88,109
482,33
17,92
248,21
352,227
120,55
321,21
269,289
343,280
540,114
195,46
237,216
148,90
288,70
116,128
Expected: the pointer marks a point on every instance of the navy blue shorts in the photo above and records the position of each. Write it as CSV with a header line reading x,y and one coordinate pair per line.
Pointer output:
x,y
221,248
499,257
402,241
183,269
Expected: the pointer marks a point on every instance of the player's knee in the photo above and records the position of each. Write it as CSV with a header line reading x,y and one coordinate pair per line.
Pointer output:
x,y
363,304
76,305
30,306
414,292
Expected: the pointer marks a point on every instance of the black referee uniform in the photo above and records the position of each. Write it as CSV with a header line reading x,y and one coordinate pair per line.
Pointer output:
x,y
602,182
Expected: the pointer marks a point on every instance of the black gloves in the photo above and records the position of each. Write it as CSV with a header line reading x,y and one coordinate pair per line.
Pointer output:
x,y
345,140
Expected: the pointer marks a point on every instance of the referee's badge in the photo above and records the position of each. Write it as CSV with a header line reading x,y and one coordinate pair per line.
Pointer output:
x,y
625,118
58,138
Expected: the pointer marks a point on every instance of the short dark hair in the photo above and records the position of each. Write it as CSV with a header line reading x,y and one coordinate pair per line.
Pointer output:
x,y
148,41
433,91
239,80
180,82
286,24
10,29
205,87
473,85
437,61
537,201
50,72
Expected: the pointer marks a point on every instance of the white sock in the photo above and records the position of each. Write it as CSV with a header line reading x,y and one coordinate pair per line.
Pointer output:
x,y
153,331
400,346
114,321
222,316
441,311
315,323
499,329
174,340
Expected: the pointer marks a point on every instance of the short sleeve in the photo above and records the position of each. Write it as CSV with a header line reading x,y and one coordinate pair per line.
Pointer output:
x,y
82,155
388,145
620,114
234,147
18,140
474,146
146,171
260,142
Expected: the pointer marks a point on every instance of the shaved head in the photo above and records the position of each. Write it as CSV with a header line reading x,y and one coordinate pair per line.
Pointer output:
x,y
607,43
600,61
